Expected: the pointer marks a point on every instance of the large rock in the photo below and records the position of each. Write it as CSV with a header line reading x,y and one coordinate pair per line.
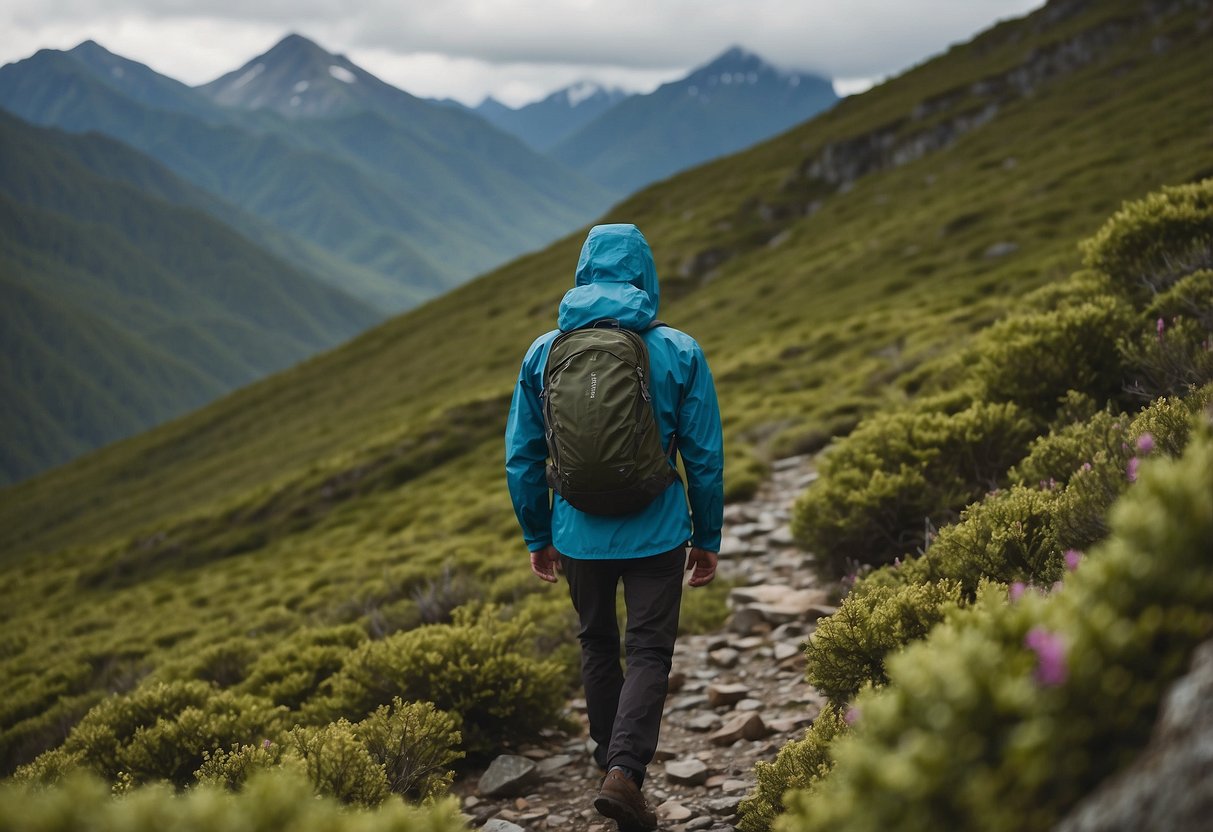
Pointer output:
x,y
509,775
686,772
499,825
1169,786
746,725
719,695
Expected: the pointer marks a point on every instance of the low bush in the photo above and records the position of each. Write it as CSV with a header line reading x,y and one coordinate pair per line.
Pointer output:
x,y
1191,297
161,731
1011,711
338,764
1178,355
1054,457
898,473
273,801
415,743
479,667
1034,358
290,672
1150,244
849,649
796,766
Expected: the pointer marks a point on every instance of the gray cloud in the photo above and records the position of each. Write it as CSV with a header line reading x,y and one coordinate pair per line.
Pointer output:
x,y
858,38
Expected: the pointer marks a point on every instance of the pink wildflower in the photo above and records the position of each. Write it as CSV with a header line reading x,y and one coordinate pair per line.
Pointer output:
x,y
1145,443
1162,325
1050,651
1131,469
1072,556
1086,466
266,743
852,715
1017,590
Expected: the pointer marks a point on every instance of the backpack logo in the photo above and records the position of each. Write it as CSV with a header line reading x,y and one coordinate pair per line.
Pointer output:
x,y
593,385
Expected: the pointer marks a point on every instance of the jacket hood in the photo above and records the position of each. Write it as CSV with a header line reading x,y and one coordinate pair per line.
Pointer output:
x,y
616,278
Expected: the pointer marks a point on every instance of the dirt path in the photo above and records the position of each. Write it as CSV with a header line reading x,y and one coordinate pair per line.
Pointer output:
x,y
736,695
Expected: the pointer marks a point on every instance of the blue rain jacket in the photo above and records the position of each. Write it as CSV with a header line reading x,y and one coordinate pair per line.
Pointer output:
x,y
616,278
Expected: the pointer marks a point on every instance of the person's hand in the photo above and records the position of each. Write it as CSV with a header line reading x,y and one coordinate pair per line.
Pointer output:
x,y
702,565
545,563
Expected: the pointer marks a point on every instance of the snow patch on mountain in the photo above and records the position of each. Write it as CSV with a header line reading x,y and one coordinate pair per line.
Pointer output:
x,y
342,74
248,76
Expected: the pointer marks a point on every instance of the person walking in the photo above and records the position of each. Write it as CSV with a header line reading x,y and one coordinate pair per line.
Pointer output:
x,y
619,511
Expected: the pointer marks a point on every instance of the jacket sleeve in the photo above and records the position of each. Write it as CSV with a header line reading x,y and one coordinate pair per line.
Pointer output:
x,y
701,445
526,454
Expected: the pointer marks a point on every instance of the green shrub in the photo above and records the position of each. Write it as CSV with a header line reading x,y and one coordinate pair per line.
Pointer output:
x,y
1054,457
480,667
849,649
1006,537
232,769
272,802
882,485
1176,356
415,744
796,766
338,764
1152,243
159,732
1010,712
290,672
1033,359
1191,297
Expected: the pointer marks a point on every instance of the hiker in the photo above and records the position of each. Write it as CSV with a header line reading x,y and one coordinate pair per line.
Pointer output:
x,y
633,522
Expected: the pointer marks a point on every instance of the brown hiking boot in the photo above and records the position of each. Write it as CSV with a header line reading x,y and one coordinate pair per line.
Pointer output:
x,y
620,799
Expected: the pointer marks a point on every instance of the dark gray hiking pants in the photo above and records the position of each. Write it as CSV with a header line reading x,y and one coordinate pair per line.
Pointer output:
x,y
625,709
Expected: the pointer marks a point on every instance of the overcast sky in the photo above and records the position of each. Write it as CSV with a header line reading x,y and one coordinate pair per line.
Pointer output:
x,y
518,50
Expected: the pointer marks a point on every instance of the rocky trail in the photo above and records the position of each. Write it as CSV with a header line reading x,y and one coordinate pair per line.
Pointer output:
x,y
736,696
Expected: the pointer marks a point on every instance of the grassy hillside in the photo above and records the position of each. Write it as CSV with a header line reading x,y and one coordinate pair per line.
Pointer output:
x,y
826,273
122,310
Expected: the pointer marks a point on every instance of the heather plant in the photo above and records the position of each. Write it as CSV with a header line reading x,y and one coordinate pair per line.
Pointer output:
x,y
416,744
1151,244
1034,358
159,732
1178,355
1190,297
849,648
1009,712
338,764
1053,458
232,768
797,765
896,471
480,667
290,672
272,801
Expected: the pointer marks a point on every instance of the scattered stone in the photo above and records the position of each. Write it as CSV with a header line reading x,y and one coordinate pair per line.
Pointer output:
x,y
686,703
719,695
749,642
672,810
470,801
702,722
784,650
795,723
1001,249
716,781
746,620
725,657
521,805
534,753
557,820
508,775
782,536
698,823
724,805
747,726
749,705
554,764
686,772
676,682
499,825
663,754
737,786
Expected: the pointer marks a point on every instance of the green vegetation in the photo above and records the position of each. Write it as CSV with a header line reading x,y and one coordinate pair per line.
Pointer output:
x,y
962,729
282,540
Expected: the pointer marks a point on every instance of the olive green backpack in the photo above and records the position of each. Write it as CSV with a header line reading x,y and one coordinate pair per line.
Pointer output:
x,y
602,434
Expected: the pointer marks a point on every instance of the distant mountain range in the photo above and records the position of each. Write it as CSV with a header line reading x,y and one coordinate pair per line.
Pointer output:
x,y
410,196
728,104
544,124
122,303
165,244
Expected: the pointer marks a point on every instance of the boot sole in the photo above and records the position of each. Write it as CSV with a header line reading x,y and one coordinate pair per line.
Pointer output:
x,y
621,813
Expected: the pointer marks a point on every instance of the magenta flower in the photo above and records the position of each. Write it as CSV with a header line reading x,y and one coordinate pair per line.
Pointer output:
x,y
1017,590
852,715
266,743
1086,466
1161,327
1072,556
1050,650
1131,469
1145,443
